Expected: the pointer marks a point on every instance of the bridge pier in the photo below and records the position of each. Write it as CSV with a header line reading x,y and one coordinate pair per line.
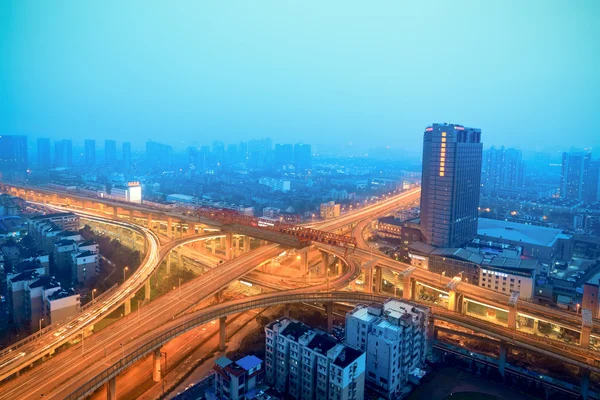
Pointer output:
x,y
512,310
127,305
502,357
369,279
585,383
325,260
131,216
220,295
169,227
213,246
116,212
228,245
147,289
222,333
100,208
149,222
246,244
180,259
586,328
156,361
329,310
378,279
408,284
286,310
168,263
111,389
452,300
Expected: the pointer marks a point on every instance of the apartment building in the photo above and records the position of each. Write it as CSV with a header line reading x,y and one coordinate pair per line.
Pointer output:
x,y
394,337
310,364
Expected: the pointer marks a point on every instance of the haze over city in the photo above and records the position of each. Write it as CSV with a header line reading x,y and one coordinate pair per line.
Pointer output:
x,y
300,200
328,73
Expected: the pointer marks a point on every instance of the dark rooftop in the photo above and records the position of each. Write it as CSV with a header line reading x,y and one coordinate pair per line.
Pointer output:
x,y
347,356
322,343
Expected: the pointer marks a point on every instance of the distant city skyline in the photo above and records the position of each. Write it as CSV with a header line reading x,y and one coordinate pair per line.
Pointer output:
x,y
362,74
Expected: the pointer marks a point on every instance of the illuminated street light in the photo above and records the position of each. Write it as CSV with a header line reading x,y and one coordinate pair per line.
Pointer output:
x,y
93,291
124,271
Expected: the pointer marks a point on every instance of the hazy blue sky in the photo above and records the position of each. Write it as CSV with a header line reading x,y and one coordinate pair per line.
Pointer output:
x,y
369,72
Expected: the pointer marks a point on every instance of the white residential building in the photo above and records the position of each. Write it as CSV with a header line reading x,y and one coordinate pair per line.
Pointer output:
x,y
394,336
310,364
276,185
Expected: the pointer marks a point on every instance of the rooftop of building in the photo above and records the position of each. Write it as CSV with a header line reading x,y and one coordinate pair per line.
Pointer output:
x,y
87,243
27,265
391,220
86,253
347,356
61,294
322,343
46,282
453,252
531,234
67,234
291,328
25,276
249,362
54,215
64,242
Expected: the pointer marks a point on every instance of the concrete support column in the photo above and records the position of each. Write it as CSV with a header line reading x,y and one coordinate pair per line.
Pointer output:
x,y
149,222
512,318
220,295
131,215
147,289
246,244
304,261
452,300
378,279
431,337
585,383
369,280
191,229
286,310
156,369
169,263
329,309
222,333
180,259
586,327
536,326
127,305
169,227
325,261
407,291
213,246
236,246
101,208
116,212
502,357
228,245
111,389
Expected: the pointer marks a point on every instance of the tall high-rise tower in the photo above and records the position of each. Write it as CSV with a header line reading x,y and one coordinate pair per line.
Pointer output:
x,y
575,174
90,152
126,165
110,152
13,153
450,184
43,153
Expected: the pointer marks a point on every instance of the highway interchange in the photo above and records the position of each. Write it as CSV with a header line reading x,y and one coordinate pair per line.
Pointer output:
x,y
108,346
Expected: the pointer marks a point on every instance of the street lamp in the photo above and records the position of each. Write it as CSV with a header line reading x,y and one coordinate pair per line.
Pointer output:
x,y
42,319
93,291
577,311
124,271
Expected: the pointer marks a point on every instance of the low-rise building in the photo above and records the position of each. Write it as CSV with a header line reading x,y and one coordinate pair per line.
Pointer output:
x,y
394,336
61,304
235,380
329,210
505,275
276,185
85,265
545,244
